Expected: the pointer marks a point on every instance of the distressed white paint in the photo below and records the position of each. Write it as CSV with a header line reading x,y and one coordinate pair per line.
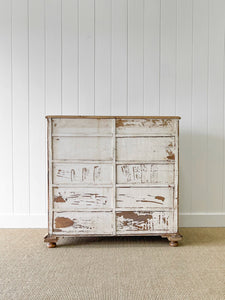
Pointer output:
x,y
71,173
161,174
78,189
87,198
142,197
83,223
47,51
145,148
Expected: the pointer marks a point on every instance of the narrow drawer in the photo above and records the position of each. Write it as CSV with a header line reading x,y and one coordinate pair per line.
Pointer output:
x,y
145,173
83,148
145,149
82,173
132,197
145,126
83,223
76,197
82,126
136,222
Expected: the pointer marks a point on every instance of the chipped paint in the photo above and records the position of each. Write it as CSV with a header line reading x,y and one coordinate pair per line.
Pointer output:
x,y
61,222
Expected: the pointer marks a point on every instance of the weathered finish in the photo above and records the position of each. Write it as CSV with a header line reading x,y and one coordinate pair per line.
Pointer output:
x,y
145,173
83,222
140,126
144,197
67,198
139,222
146,148
113,176
82,173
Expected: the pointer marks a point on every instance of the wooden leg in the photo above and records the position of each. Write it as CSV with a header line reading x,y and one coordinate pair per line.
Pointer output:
x,y
51,241
173,238
51,245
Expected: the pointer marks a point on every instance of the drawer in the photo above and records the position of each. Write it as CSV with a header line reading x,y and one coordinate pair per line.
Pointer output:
x,y
83,223
145,149
132,197
82,126
145,173
76,197
142,222
146,126
82,173
82,148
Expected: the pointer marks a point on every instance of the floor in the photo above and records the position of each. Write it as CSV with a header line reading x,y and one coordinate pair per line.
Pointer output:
x,y
112,268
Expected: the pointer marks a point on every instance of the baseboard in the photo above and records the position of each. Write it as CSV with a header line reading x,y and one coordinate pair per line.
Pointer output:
x,y
40,221
202,220
23,221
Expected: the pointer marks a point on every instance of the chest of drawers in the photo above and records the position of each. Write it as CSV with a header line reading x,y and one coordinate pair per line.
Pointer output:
x,y
110,176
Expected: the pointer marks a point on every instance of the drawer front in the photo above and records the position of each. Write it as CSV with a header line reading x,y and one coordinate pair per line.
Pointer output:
x,y
146,149
146,126
130,197
83,223
82,173
73,198
83,148
82,126
136,222
145,173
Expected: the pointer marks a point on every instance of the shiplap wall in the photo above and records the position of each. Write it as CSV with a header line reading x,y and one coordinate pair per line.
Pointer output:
x,y
112,57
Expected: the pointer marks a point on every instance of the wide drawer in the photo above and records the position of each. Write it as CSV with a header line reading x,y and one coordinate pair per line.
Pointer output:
x,y
141,222
146,149
82,148
145,173
77,197
83,223
82,173
132,197
82,126
145,126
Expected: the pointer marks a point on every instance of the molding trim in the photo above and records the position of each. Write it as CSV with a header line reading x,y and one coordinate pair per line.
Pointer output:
x,y
23,221
202,220
41,220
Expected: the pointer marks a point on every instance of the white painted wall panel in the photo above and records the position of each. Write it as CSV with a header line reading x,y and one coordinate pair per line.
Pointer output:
x,y
184,97
86,57
37,171
20,116
6,163
119,57
70,62
135,57
53,23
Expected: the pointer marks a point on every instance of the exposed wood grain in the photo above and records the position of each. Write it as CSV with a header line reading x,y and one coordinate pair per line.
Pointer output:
x,y
147,126
74,198
83,222
144,197
146,148
134,221
83,173
145,173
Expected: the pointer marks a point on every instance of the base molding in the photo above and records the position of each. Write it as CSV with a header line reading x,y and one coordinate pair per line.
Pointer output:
x,y
41,220
23,221
202,219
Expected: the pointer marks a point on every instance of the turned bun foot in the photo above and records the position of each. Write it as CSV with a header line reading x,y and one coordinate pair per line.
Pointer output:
x,y
51,245
173,243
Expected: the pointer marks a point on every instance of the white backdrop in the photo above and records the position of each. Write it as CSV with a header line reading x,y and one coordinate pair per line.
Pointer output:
x,y
112,57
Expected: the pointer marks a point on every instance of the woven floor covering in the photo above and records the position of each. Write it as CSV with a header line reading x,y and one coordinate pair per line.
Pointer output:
x,y
112,268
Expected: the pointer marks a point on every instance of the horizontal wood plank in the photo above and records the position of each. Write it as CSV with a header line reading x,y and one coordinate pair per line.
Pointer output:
x,y
82,173
75,198
144,197
83,222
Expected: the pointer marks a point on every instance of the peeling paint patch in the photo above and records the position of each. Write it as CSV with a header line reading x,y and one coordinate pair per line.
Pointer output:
x,y
61,222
